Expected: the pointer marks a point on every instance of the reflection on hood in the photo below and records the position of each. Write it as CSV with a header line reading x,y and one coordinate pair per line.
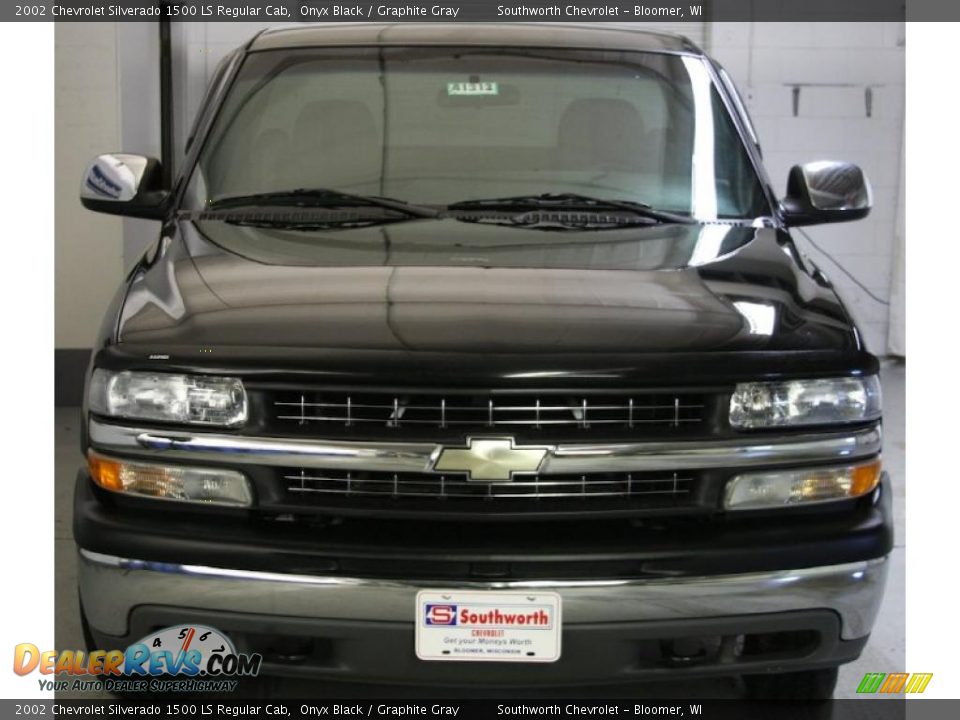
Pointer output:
x,y
437,286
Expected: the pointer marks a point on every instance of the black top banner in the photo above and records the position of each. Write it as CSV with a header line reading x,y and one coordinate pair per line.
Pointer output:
x,y
673,11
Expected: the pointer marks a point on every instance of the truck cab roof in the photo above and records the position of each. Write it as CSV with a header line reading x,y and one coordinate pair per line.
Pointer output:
x,y
479,34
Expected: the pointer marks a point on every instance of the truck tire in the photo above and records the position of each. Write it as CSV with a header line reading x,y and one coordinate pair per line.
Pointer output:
x,y
806,685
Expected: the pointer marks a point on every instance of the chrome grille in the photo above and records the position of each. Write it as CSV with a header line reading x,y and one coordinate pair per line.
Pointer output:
x,y
664,487
466,412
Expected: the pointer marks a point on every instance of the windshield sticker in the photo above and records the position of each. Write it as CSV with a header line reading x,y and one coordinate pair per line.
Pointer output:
x,y
472,88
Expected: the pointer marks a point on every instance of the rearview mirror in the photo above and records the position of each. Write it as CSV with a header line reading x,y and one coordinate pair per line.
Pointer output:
x,y
825,192
122,184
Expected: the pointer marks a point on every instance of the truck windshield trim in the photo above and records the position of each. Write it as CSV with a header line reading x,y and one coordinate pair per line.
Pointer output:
x,y
429,126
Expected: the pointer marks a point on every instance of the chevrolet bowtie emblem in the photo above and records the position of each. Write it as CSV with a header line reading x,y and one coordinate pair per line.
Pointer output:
x,y
490,459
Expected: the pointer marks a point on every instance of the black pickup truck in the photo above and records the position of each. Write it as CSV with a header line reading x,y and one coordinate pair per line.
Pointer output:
x,y
482,355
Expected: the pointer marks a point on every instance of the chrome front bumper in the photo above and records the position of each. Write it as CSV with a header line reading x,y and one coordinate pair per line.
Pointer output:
x,y
111,587
742,452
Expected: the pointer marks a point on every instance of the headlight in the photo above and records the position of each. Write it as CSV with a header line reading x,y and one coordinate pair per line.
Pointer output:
x,y
780,488
194,399
805,402
186,484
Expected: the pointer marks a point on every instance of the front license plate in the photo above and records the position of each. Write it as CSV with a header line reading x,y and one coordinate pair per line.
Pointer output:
x,y
488,626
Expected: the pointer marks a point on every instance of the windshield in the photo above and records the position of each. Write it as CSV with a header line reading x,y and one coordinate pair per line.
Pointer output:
x,y
436,126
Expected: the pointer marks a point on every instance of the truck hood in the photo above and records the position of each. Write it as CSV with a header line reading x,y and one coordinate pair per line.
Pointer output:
x,y
442,286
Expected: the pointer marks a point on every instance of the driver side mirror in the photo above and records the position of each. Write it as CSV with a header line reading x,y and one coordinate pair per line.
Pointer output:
x,y
123,184
826,192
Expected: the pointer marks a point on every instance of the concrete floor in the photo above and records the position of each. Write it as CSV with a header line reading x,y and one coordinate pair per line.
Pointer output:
x,y
885,652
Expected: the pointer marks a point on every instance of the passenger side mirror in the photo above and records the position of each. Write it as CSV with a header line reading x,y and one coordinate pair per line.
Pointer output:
x,y
826,192
121,184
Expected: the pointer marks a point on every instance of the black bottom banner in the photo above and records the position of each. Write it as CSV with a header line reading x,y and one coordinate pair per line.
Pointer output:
x,y
872,709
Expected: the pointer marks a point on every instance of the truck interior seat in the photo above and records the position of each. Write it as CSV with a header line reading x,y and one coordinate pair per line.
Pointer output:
x,y
269,156
601,133
334,139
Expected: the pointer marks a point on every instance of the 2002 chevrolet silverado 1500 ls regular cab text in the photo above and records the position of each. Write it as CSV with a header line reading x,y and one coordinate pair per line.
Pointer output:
x,y
487,344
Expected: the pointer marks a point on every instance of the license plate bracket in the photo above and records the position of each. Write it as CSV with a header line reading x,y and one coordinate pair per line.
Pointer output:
x,y
488,626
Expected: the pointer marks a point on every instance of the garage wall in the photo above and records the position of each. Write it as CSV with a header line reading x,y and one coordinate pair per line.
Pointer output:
x,y
88,247
837,68
138,56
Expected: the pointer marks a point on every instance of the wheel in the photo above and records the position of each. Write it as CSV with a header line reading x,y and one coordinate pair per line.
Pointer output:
x,y
806,685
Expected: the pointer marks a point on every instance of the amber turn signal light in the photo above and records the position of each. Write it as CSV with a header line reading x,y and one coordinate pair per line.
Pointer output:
x,y
799,486
214,486
105,473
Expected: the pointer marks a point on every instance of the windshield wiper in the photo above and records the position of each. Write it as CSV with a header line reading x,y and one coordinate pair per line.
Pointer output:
x,y
298,218
321,197
569,201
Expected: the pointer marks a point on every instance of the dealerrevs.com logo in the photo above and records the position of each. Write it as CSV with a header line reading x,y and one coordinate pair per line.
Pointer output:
x,y
186,658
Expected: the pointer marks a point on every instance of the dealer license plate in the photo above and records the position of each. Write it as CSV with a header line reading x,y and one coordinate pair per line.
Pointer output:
x,y
488,626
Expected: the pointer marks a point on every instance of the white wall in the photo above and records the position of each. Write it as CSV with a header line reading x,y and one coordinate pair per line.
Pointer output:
x,y
138,56
88,246
837,60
